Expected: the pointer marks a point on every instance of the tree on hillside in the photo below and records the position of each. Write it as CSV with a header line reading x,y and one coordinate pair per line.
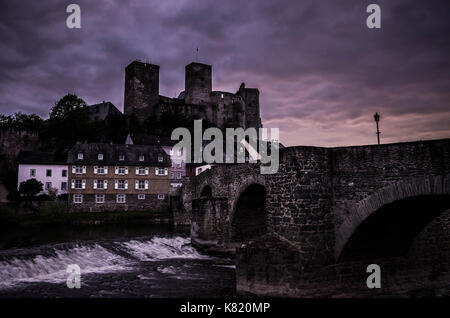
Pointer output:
x,y
66,106
21,122
30,188
68,123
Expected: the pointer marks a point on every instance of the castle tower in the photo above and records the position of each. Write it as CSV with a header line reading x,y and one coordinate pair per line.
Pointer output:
x,y
198,83
251,99
141,87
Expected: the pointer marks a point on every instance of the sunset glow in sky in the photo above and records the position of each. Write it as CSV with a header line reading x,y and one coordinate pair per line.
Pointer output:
x,y
321,72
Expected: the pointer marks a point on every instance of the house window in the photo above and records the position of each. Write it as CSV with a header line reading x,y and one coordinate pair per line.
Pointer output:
x,y
161,171
160,158
121,198
121,170
180,152
32,172
79,169
141,185
100,156
141,157
99,198
48,172
161,196
121,184
179,175
80,156
77,198
171,152
64,186
78,184
121,157
179,165
141,171
101,184
141,196
48,185
100,170
171,175
64,173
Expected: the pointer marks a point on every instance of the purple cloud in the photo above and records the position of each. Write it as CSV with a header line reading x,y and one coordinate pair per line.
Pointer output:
x,y
321,72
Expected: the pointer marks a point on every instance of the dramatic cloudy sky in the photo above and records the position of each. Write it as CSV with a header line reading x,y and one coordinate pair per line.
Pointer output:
x,y
321,72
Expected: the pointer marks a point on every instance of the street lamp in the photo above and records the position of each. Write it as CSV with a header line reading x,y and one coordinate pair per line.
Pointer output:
x,y
377,119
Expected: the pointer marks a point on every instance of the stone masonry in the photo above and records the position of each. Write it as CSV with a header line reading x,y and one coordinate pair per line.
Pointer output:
x,y
316,204
222,109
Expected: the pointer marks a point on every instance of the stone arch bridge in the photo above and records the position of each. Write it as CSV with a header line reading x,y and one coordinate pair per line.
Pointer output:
x,y
323,212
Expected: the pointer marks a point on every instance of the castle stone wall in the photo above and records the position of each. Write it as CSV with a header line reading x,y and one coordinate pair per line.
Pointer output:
x,y
222,109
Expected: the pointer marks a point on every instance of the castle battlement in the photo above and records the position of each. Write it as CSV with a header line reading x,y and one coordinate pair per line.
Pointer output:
x,y
223,109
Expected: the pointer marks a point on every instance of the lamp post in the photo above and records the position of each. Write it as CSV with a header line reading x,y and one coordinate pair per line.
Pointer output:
x,y
377,119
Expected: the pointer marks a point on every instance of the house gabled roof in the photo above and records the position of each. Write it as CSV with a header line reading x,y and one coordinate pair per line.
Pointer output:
x,y
41,158
112,152
102,110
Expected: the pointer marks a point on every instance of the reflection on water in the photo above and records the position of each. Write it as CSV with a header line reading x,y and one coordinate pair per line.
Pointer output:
x,y
23,236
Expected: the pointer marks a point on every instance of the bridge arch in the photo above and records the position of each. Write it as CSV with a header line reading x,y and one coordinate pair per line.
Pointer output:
x,y
249,217
206,191
400,210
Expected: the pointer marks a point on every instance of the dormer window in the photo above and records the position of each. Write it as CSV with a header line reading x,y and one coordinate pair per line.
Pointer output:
x,y
80,156
141,157
100,156
121,157
160,158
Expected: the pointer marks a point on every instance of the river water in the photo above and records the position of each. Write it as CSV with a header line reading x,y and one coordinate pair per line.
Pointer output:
x,y
144,261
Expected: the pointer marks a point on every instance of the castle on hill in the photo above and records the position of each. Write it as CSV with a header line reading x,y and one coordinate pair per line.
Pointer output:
x,y
198,100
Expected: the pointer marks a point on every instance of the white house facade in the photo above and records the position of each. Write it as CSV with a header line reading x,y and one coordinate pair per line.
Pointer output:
x,y
43,167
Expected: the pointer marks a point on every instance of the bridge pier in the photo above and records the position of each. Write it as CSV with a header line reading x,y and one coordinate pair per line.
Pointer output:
x,y
210,225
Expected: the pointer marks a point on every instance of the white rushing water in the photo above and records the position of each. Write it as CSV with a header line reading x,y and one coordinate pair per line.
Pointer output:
x,y
49,263
39,268
159,248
